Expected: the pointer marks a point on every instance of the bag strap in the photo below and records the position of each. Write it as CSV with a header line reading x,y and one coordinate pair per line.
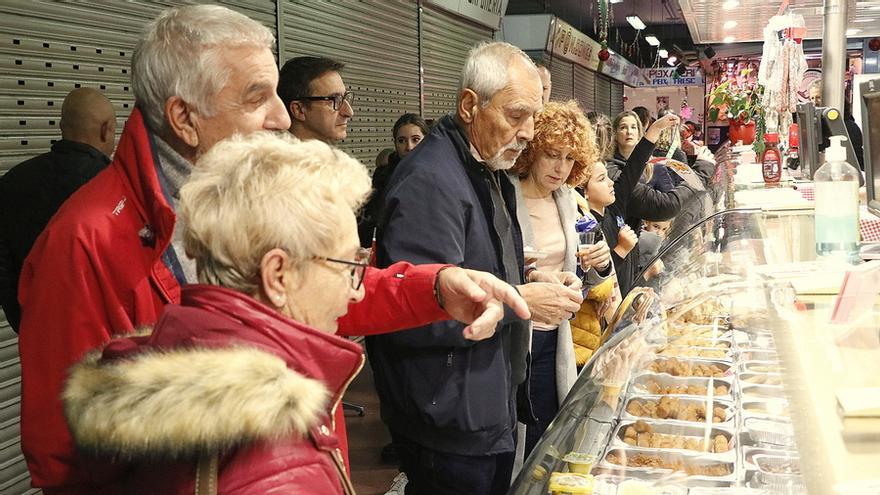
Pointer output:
x,y
206,475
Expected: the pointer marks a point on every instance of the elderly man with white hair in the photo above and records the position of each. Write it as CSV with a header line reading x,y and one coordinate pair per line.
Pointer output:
x,y
451,404
113,256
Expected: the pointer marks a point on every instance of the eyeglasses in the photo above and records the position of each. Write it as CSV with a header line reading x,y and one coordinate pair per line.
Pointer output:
x,y
358,268
336,99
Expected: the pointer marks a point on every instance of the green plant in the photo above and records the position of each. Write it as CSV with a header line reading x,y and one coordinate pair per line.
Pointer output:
x,y
738,103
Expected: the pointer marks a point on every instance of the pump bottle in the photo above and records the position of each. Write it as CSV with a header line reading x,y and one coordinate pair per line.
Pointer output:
x,y
837,204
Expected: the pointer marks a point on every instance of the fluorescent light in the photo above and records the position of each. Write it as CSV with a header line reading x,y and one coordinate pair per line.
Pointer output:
x,y
852,31
652,40
663,53
730,5
865,20
672,60
730,24
615,1
729,39
635,22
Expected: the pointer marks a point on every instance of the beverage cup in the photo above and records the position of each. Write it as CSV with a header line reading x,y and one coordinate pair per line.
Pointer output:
x,y
586,240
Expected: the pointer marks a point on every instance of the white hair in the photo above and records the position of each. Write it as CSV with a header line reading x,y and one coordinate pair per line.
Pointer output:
x,y
179,54
486,68
251,194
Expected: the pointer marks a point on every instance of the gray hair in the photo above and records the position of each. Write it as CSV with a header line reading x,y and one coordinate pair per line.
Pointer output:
x,y
486,68
251,194
178,54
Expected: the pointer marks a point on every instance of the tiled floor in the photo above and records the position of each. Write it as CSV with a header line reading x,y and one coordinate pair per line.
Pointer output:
x,y
366,437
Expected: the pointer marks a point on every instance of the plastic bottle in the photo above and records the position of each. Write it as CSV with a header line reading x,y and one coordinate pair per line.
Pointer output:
x,y
837,204
771,160
793,144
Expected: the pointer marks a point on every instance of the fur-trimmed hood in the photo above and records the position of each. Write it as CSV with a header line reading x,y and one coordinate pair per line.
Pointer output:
x,y
178,404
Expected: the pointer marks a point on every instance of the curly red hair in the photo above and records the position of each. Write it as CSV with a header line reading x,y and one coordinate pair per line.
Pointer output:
x,y
562,125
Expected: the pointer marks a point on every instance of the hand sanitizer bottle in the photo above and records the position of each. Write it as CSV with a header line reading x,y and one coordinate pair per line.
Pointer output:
x,y
837,204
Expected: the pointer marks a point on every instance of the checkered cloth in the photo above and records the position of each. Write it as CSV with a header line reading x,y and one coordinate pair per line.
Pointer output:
x,y
808,192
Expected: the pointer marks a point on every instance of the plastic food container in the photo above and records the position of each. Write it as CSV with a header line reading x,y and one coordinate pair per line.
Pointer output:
x,y
579,462
570,484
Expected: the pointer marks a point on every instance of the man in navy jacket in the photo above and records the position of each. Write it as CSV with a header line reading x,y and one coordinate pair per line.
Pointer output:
x,y
451,404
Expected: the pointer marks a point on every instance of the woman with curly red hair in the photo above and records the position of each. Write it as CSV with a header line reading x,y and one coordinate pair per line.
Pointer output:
x,y
557,159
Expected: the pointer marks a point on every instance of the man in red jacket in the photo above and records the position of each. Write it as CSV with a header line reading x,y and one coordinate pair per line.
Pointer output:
x,y
112,256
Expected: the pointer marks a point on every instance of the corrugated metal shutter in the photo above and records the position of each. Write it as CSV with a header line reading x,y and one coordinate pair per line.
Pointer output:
x,y
603,95
48,49
562,76
446,41
616,97
377,41
585,88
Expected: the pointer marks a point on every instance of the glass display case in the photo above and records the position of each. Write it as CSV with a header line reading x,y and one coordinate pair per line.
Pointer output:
x,y
721,376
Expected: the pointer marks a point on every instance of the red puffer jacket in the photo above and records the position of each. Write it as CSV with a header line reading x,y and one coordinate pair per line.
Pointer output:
x,y
221,375
96,272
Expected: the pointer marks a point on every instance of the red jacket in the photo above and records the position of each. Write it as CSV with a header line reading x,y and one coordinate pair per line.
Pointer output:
x,y
96,271
221,372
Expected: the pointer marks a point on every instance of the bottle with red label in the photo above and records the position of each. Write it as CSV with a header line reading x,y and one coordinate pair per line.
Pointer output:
x,y
771,160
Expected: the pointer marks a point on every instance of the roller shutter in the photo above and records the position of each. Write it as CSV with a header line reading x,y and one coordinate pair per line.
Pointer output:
x,y
446,41
585,88
616,97
603,95
562,76
48,49
377,41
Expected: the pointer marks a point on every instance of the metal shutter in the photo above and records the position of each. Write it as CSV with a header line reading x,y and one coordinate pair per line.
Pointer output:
x,y
48,49
562,77
377,41
446,41
603,95
616,97
585,88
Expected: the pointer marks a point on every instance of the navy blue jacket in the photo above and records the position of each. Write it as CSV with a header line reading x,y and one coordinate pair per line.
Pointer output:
x,y
436,388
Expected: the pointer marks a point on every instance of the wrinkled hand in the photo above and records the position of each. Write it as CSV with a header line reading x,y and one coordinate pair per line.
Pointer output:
x,y
478,298
626,241
567,279
661,124
597,256
551,303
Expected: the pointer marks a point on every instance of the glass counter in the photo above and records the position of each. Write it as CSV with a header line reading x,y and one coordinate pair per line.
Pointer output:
x,y
722,376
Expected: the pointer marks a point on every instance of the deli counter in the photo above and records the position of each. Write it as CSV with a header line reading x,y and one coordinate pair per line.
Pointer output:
x,y
724,375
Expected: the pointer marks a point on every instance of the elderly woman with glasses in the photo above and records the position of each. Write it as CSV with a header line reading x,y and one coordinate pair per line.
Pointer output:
x,y
236,388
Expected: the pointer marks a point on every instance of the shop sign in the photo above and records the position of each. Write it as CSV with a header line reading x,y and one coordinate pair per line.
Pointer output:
x,y
570,44
668,77
485,12
617,67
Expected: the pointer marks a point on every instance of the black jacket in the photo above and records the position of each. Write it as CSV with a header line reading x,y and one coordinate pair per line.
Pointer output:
x,y
436,388
372,210
30,194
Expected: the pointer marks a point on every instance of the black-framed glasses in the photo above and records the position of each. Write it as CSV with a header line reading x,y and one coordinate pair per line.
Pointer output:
x,y
358,269
336,99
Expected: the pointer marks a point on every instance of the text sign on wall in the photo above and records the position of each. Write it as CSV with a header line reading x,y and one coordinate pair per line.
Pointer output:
x,y
570,44
667,77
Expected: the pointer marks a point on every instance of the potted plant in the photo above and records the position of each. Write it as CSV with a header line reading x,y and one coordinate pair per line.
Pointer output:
x,y
741,106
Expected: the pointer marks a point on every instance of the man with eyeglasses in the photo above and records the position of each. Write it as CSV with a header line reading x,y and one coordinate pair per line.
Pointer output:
x,y
316,98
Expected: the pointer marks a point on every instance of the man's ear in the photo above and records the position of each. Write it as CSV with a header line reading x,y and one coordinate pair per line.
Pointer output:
x,y
182,121
297,110
108,131
468,105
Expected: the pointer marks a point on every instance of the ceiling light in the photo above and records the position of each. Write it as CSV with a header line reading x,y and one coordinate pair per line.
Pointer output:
x,y
663,53
729,39
730,4
635,22
652,40
865,20
672,60
852,31
615,1
730,24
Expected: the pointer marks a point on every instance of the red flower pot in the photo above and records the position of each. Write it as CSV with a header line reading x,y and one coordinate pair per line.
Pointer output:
x,y
741,131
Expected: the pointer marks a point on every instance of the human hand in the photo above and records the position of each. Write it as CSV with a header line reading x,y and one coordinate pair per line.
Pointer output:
x,y
655,269
661,124
550,303
567,279
598,256
626,241
478,298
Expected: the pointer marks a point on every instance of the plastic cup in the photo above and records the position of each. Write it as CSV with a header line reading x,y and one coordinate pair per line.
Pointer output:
x,y
579,463
586,240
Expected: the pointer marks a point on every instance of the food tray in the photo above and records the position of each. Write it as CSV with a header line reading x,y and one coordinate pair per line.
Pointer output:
x,y
684,401
749,453
760,367
614,457
725,367
688,431
761,340
781,474
766,379
776,408
769,432
694,352
750,391
640,384
750,354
